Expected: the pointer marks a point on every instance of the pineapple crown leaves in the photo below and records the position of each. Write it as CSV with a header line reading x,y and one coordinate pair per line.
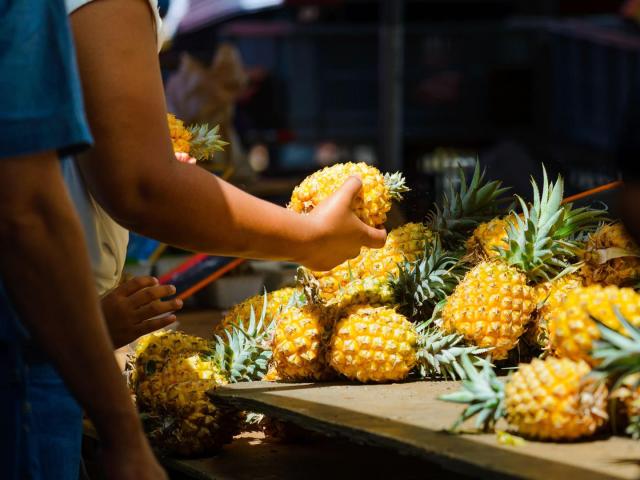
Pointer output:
x,y
463,209
542,239
245,352
618,353
421,284
439,354
484,394
205,141
396,183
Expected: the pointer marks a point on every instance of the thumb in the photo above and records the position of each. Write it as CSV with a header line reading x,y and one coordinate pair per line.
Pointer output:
x,y
373,237
348,191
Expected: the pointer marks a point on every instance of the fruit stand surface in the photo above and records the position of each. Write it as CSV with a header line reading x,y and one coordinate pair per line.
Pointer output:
x,y
409,419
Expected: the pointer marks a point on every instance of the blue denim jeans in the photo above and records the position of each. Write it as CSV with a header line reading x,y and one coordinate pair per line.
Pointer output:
x,y
40,421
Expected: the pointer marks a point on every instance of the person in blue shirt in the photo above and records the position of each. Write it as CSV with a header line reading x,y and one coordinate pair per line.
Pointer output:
x,y
55,351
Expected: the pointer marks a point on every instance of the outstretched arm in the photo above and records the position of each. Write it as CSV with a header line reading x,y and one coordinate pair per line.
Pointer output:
x,y
134,175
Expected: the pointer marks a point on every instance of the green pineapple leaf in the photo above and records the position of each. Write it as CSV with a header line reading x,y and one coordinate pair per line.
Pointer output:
x,y
483,392
205,141
396,183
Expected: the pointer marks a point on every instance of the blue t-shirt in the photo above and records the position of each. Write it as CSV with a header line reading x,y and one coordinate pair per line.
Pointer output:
x,y
41,105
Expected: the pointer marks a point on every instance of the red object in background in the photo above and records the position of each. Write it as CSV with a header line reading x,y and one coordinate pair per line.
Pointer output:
x,y
631,10
285,135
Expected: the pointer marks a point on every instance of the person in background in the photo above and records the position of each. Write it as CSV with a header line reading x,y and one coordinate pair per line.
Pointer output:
x,y
55,351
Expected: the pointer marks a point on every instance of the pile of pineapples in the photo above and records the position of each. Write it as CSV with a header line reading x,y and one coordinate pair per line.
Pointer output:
x,y
483,284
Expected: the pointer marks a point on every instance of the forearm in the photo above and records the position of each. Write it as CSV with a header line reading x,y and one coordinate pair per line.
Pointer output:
x,y
49,280
224,220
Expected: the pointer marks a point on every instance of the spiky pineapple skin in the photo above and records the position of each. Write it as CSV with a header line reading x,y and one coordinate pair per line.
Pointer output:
x,y
189,425
180,136
552,400
486,238
372,203
622,271
153,350
490,307
151,393
240,313
299,344
549,296
373,345
571,328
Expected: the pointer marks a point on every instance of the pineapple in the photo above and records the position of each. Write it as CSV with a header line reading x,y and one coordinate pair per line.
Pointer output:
x,y
180,136
494,302
378,344
611,257
365,279
572,329
276,301
179,418
550,296
189,425
199,141
151,392
552,399
299,344
489,238
373,201
153,350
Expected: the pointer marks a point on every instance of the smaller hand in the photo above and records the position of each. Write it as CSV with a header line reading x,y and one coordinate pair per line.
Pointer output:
x,y
133,309
185,158
337,234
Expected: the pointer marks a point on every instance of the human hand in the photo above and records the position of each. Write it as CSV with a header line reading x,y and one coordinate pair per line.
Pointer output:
x,y
185,158
336,233
131,310
135,461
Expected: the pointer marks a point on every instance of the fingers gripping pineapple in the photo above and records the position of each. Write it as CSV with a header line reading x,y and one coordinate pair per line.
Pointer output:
x,y
377,344
572,330
611,257
495,301
551,399
373,202
299,344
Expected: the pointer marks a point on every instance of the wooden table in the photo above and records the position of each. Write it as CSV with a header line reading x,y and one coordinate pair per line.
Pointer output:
x,y
409,419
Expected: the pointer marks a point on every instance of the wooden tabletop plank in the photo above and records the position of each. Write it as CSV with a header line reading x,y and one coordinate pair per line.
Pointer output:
x,y
408,418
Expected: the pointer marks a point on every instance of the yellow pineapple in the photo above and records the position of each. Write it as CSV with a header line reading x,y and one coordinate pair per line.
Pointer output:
x,y
299,344
487,238
189,425
373,345
365,279
491,307
493,304
151,392
180,136
198,141
276,301
552,399
611,257
572,331
549,296
378,344
153,350
371,205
